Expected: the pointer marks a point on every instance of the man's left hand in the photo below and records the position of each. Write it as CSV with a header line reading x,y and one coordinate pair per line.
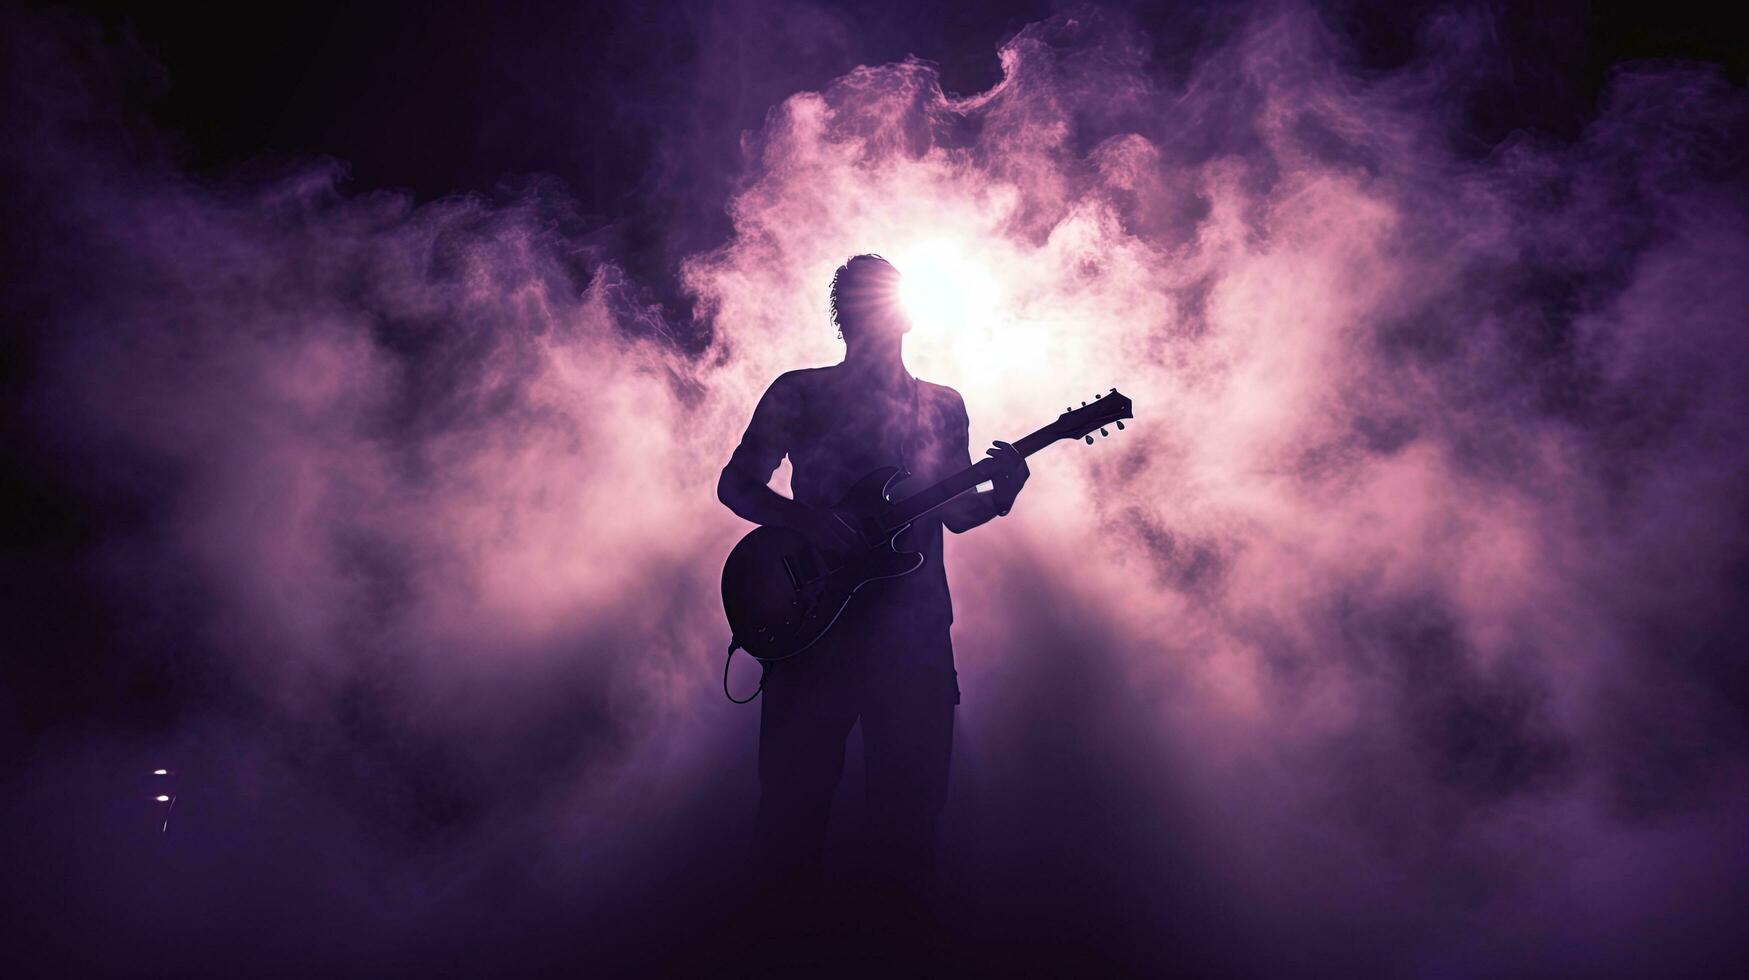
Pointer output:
x,y
1010,478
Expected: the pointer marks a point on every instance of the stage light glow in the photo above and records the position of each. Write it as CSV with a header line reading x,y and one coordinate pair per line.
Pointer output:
x,y
944,287
160,772
162,798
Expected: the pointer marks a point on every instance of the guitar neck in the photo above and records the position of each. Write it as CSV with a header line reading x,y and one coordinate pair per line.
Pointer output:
x,y
923,502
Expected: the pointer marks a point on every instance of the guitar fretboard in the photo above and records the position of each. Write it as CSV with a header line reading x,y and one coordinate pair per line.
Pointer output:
x,y
924,501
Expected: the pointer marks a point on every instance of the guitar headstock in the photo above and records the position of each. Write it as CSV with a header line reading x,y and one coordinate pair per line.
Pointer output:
x,y
1110,408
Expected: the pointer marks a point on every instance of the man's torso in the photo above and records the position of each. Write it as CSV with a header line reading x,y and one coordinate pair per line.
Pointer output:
x,y
836,428
837,431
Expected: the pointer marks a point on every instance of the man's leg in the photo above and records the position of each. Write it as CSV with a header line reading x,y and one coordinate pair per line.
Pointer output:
x,y
805,717
907,730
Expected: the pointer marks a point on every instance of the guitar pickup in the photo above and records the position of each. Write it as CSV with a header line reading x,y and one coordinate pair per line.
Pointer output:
x,y
803,567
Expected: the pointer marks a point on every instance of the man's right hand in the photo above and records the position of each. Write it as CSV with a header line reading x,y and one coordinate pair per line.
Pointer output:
x,y
827,532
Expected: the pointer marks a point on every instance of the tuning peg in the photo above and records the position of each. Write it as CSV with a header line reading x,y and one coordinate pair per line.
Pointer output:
x,y
1112,391
1103,432
1120,427
1089,440
1083,404
1098,397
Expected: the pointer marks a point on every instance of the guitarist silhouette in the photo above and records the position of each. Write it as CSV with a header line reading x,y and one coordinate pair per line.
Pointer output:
x,y
887,661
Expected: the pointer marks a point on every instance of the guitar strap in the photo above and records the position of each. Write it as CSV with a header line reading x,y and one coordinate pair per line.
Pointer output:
x,y
912,433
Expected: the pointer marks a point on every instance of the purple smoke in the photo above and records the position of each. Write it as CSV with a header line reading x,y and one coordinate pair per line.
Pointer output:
x,y
1402,632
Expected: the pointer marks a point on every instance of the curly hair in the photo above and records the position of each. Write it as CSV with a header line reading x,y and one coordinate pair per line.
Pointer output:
x,y
862,281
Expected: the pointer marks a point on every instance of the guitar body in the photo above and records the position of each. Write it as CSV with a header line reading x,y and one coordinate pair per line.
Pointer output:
x,y
782,594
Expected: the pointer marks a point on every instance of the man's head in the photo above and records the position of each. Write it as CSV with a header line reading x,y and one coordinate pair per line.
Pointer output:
x,y
865,298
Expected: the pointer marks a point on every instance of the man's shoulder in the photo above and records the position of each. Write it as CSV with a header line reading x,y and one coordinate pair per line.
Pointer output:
x,y
941,391
802,377
943,396
798,382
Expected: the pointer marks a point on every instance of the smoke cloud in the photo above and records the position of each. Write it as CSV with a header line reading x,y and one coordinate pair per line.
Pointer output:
x,y
1400,634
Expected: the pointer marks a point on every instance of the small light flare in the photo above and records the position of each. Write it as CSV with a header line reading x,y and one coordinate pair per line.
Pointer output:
x,y
162,798
160,772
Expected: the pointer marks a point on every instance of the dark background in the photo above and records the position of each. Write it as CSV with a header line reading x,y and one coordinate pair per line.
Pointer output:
x,y
635,106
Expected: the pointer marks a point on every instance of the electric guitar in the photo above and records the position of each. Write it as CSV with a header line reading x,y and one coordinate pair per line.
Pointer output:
x,y
782,594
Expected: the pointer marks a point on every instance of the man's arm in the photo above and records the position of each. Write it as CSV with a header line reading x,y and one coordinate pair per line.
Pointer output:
x,y
745,486
973,509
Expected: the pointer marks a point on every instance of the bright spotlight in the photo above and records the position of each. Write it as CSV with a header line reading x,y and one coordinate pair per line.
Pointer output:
x,y
944,287
163,799
160,772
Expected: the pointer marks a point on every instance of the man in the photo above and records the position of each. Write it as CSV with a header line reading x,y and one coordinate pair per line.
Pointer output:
x,y
888,660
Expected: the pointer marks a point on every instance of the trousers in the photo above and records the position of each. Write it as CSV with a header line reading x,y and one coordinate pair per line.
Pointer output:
x,y
901,686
